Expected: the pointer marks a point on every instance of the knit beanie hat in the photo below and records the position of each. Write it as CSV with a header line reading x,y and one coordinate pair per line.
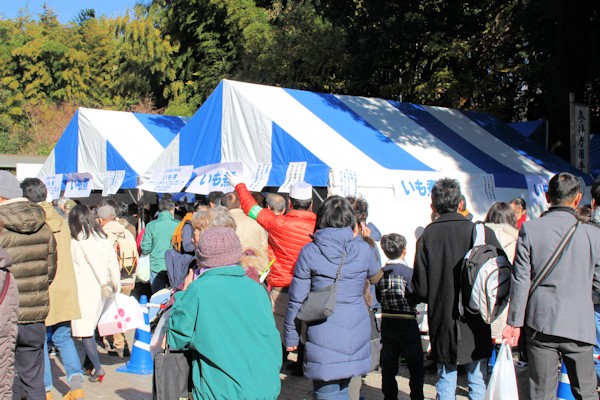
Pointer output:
x,y
10,187
219,246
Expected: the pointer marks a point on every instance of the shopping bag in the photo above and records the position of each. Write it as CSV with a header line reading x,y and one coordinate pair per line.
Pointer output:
x,y
121,314
143,268
172,378
503,383
375,342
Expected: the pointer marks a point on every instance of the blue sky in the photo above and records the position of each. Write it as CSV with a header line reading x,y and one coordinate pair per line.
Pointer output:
x,y
66,9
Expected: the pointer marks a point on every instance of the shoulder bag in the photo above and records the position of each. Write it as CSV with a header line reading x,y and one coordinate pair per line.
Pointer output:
x,y
320,303
106,289
551,263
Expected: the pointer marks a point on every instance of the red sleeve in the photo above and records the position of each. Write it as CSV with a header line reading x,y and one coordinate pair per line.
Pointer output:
x,y
266,218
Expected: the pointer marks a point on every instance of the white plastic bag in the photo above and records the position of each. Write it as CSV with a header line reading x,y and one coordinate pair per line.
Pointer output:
x,y
503,383
143,268
121,314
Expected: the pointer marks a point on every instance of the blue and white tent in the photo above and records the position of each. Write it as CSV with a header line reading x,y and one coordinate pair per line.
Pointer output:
x,y
97,141
396,149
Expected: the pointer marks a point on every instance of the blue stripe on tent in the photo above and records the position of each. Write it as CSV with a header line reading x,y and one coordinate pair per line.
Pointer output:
x,y
357,131
524,146
65,151
164,128
115,162
286,149
200,139
503,176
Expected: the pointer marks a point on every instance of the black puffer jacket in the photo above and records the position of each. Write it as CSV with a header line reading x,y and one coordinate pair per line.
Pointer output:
x,y
30,242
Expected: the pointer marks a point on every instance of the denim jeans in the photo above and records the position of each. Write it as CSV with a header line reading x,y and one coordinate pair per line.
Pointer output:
x,y
476,373
331,390
597,346
61,337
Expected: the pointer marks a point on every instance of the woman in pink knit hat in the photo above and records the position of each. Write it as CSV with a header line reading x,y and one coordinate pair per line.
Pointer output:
x,y
226,318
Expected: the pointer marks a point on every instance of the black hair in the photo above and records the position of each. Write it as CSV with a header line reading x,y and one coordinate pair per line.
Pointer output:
x,y
584,213
166,203
519,201
501,213
596,192
215,197
83,221
393,245
563,187
34,190
300,204
360,207
335,212
445,195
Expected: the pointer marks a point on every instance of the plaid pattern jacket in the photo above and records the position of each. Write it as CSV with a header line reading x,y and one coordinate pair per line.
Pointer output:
x,y
393,290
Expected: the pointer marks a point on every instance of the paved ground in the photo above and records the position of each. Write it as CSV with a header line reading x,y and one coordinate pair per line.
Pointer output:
x,y
119,385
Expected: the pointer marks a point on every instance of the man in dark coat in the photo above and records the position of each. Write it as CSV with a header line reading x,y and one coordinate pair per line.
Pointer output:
x,y
438,259
29,241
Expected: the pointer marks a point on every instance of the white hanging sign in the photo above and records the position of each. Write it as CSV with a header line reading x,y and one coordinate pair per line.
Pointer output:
x,y
344,182
294,173
211,178
79,184
489,186
112,182
53,185
168,180
260,177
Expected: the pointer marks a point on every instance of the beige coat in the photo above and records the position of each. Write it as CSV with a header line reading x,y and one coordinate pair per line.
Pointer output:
x,y
507,236
101,254
64,304
252,236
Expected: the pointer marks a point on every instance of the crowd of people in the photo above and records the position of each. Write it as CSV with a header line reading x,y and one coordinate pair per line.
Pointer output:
x,y
246,265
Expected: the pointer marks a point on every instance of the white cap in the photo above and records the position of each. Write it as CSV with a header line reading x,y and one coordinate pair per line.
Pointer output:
x,y
301,191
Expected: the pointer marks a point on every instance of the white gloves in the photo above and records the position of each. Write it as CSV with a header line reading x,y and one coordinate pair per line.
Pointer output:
x,y
234,180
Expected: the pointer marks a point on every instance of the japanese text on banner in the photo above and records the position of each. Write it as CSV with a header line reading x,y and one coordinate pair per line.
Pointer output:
x,y
79,185
413,189
344,182
294,173
168,180
260,177
112,182
53,185
537,187
212,178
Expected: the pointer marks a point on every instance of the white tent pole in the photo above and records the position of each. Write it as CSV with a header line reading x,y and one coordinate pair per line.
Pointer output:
x,y
317,194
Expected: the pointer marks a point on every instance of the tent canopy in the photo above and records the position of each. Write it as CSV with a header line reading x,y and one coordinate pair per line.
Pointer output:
x,y
262,124
97,141
397,150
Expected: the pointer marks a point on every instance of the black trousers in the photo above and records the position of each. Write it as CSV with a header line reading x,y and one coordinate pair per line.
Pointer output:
x,y
161,281
543,354
29,362
401,337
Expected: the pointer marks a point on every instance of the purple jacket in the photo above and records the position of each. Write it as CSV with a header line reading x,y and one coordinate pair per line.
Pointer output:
x,y
339,347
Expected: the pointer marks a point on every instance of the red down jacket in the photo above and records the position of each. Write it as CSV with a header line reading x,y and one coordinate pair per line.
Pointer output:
x,y
288,233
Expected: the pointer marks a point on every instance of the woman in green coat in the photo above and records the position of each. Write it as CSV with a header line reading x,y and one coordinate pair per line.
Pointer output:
x,y
226,318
